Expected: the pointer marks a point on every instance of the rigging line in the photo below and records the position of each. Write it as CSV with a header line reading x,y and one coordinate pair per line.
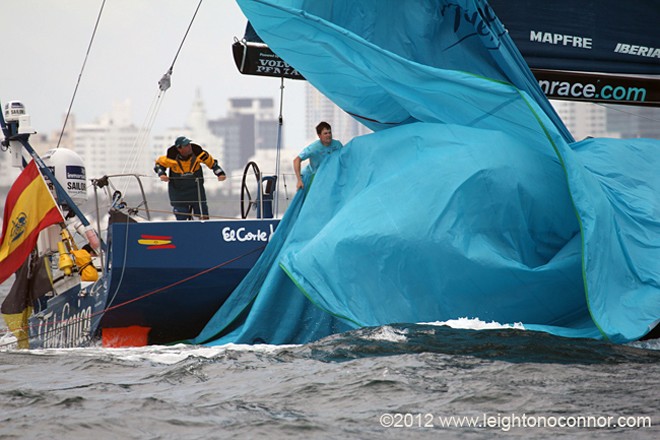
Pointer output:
x,y
185,36
142,134
74,321
163,84
142,137
176,283
618,108
75,90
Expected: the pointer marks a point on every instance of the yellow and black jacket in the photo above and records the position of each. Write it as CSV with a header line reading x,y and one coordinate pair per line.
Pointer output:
x,y
186,183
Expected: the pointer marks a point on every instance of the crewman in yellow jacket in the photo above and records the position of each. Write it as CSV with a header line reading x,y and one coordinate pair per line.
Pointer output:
x,y
186,181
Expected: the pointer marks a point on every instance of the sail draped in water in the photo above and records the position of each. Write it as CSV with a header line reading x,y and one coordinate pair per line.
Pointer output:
x,y
470,199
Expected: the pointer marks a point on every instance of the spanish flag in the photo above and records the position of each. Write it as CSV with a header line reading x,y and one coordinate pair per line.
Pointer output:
x,y
29,208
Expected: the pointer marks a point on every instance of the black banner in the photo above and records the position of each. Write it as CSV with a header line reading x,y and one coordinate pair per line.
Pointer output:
x,y
593,87
258,59
611,36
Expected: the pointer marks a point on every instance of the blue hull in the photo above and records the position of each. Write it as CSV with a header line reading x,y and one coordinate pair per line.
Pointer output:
x,y
70,319
169,277
172,276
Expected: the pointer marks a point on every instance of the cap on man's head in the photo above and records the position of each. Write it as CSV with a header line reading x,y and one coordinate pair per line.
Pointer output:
x,y
181,141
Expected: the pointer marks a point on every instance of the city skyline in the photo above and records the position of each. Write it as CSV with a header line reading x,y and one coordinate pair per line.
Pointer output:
x,y
134,45
110,143
583,120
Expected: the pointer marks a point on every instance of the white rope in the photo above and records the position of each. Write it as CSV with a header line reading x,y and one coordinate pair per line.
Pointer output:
x,y
144,134
82,69
142,139
620,109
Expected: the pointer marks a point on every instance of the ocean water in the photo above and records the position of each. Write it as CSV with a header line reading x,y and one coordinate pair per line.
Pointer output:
x,y
463,379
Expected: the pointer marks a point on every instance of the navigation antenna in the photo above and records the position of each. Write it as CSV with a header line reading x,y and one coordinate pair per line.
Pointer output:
x,y
89,47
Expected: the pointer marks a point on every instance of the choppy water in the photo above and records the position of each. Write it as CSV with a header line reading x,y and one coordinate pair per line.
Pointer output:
x,y
345,386
388,382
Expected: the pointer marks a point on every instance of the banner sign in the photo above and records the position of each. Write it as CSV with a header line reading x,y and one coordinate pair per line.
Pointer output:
x,y
258,59
593,87
587,35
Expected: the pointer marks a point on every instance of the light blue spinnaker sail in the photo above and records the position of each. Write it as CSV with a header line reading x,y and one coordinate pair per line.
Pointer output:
x,y
470,199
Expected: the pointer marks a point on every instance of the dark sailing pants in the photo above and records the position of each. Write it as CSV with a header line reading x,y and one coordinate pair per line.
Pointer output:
x,y
187,197
190,211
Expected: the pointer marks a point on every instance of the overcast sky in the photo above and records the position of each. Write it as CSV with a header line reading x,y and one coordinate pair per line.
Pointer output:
x,y
44,46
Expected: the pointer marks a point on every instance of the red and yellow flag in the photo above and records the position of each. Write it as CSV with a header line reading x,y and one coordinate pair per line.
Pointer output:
x,y
29,208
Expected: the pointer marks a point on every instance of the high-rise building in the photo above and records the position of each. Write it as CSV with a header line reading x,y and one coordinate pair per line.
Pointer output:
x,y
633,122
107,148
114,145
320,108
250,126
618,121
265,122
238,134
583,119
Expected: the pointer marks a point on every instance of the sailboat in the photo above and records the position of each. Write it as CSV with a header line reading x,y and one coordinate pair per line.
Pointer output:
x,y
155,285
154,282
